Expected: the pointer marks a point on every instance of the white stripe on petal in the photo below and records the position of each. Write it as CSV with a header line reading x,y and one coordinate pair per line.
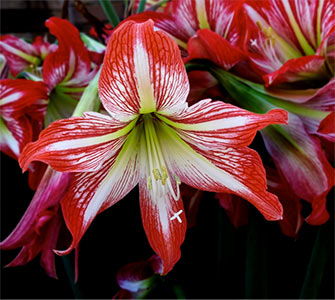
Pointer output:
x,y
144,85
124,173
10,98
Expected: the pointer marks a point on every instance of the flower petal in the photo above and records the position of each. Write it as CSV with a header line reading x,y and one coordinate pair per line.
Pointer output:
x,y
70,64
209,45
223,170
18,53
209,125
91,193
292,218
164,223
236,208
300,159
76,144
137,74
48,195
137,276
327,127
16,96
302,68
162,211
14,135
163,22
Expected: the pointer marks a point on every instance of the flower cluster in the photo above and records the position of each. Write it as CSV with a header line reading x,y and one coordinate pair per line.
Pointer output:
x,y
171,104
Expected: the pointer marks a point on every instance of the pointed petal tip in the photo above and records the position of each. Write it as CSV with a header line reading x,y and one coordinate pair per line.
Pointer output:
x,y
63,252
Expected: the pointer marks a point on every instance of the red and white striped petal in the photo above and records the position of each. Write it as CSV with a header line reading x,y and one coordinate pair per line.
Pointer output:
x,y
17,95
223,170
209,125
77,144
142,73
14,135
70,64
163,22
18,53
302,68
164,223
300,159
209,45
91,193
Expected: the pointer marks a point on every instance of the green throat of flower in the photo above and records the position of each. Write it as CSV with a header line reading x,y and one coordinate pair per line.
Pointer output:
x,y
158,180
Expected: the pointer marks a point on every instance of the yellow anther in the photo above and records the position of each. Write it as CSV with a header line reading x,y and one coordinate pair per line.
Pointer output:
x,y
157,174
177,179
165,174
149,183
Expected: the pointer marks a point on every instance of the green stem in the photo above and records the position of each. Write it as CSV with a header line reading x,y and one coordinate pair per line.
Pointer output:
x,y
316,266
178,291
141,6
89,100
110,12
256,260
68,265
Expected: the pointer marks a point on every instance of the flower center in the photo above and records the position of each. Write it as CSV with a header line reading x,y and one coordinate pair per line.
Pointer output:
x,y
158,180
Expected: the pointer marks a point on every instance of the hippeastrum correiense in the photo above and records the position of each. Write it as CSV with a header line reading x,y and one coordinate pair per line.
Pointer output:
x,y
152,138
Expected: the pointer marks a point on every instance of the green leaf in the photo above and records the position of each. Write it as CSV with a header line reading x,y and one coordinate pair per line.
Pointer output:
x,y
141,6
110,12
256,277
316,266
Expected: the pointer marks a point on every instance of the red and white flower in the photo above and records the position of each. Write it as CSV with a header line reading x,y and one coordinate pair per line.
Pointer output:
x,y
17,97
291,41
22,55
152,138
207,29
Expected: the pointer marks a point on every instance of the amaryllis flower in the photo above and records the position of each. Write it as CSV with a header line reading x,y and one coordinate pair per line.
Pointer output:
x,y
16,98
152,138
22,55
295,149
66,71
207,29
138,278
39,229
291,40
22,106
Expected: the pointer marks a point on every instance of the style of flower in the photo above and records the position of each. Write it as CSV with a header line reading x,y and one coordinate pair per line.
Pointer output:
x,y
152,138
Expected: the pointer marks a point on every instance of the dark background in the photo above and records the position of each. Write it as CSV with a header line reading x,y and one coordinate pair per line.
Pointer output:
x,y
218,261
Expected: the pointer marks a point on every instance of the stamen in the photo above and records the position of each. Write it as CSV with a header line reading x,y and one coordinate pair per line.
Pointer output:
x,y
162,184
177,179
149,183
157,174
